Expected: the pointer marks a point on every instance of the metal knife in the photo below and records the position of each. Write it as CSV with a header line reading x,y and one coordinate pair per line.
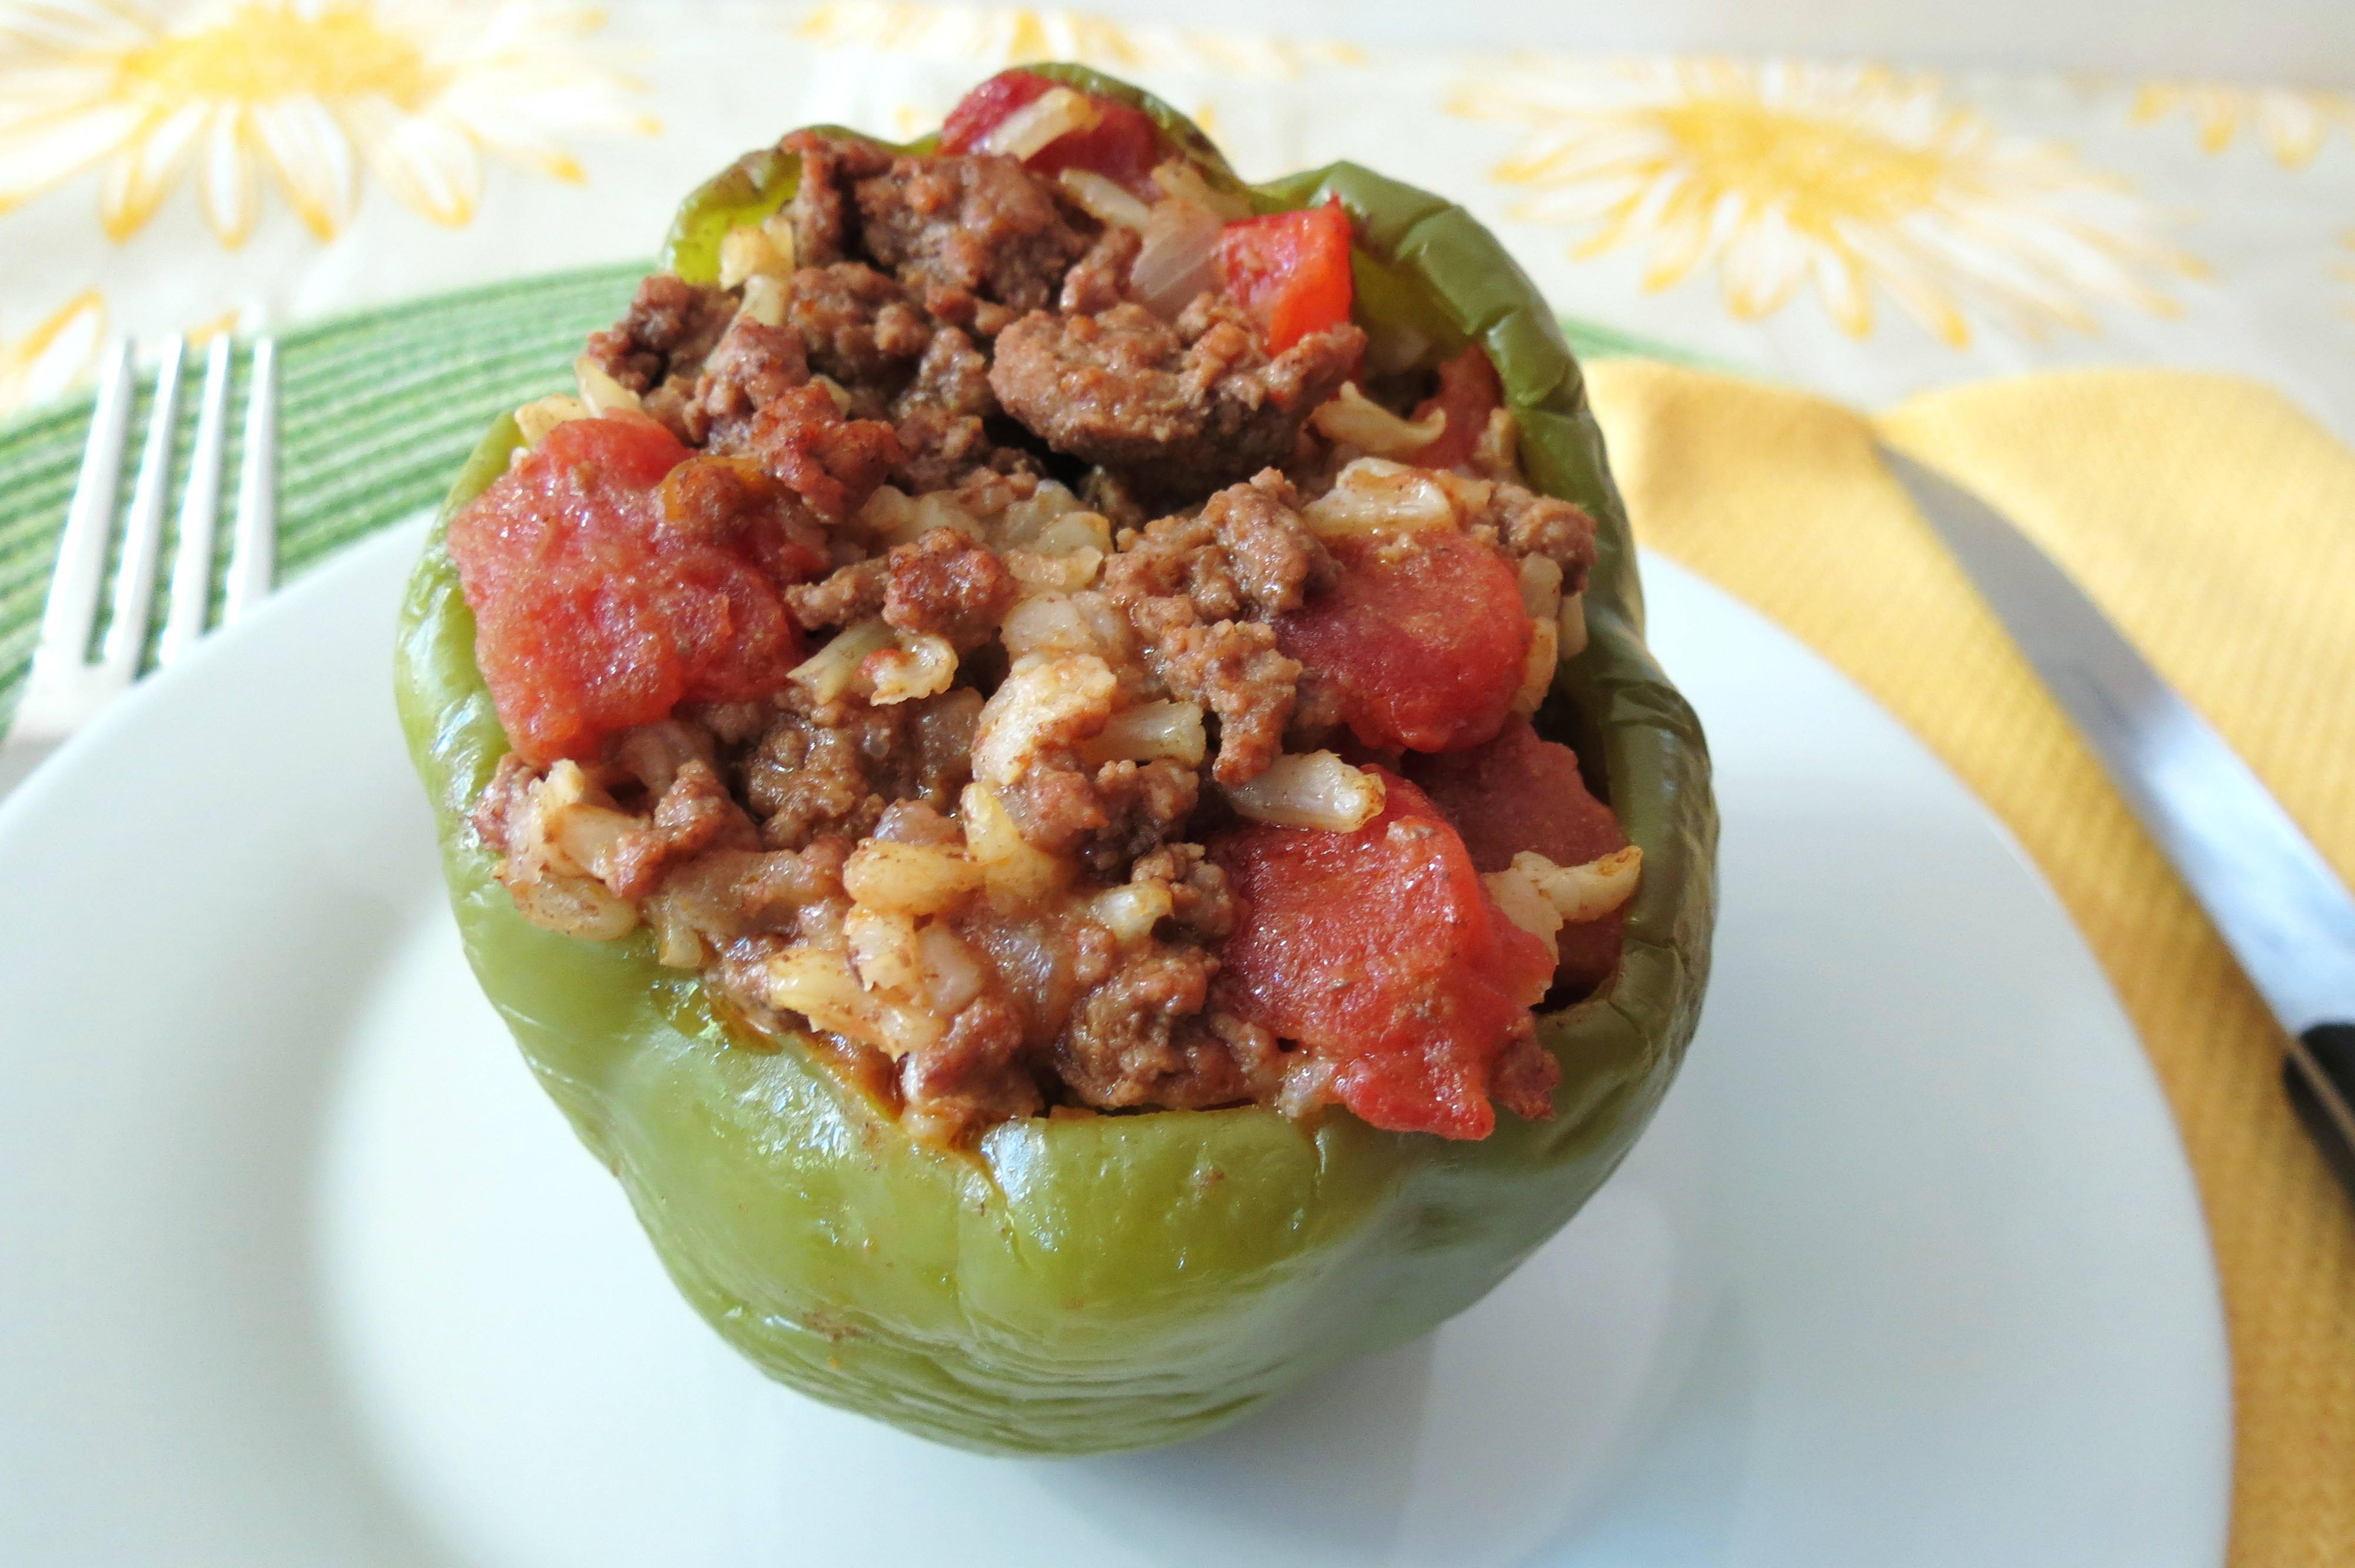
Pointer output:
x,y
2271,896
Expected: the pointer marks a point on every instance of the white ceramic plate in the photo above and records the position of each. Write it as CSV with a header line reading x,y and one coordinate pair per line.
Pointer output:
x,y
297,1267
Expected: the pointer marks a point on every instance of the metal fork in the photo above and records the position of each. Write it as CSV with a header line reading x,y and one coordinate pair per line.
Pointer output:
x,y
68,684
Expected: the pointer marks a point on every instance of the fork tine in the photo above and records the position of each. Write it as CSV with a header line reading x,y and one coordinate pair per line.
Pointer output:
x,y
143,534
71,609
253,553
192,566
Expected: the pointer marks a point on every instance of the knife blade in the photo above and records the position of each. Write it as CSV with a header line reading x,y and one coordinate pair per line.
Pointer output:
x,y
2285,915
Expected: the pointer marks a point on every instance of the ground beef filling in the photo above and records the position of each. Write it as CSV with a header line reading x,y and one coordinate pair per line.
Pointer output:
x,y
1043,550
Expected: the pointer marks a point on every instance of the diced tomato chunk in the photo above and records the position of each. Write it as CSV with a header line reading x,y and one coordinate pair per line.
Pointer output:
x,y
1468,393
1521,792
1381,952
980,110
1123,145
1291,270
1425,639
595,611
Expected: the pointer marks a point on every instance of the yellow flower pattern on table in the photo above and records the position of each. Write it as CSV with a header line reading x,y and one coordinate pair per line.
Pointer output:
x,y
53,356
310,89
1015,35
1855,179
2293,122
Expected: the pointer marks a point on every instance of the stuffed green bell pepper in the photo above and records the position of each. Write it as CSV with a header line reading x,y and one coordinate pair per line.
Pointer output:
x,y
1053,761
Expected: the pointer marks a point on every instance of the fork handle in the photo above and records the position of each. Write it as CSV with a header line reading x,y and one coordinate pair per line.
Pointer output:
x,y
2319,1074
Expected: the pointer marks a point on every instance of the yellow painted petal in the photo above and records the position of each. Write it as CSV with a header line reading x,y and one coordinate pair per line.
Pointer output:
x,y
1903,275
2154,100
2216,111
312,157
1682,243
1626,221
141,176
1762,266
1847,290
2293,126
86,26
430,168
1856,178
204,331
232,192
39,100
54,355
40,157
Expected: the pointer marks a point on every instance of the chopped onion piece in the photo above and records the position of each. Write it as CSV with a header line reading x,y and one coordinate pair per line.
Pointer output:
x,y
577,906
1307,1084
750,250
1102,200
1525,906
573,825
1015,873
883,950
1500,440
923,665
1053,114
952,974
537,418
1020,524
830,672
1074,530
1358,419
1471,496
590,836
1374,495
1537,674
678,945
1051,624
1064,574
893,518
764,299
1148,731
1042,705
910,879
1182,179
1179,258
1130,912
820,987
1315,790
1586,892
1572,622
1540,585
599,390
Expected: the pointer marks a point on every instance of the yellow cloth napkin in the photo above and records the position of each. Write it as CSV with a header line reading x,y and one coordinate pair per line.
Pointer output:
x,y
2215,524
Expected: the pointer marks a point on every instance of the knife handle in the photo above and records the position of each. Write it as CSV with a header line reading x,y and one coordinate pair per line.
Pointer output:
x,y
2319,1074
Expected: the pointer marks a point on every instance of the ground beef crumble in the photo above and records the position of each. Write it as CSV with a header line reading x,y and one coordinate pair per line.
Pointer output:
x,y
857,327
832,770
978,240
1171,404
955,328
947,586
662,339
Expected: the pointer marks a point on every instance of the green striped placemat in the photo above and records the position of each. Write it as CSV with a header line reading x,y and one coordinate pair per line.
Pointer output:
x,y
376,412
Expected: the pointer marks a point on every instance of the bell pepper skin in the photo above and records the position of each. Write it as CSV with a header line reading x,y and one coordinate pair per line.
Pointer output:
x,y
746,191
1092,1284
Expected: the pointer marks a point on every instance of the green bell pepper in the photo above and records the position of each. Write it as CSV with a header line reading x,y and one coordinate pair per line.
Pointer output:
x,y
1112,1282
